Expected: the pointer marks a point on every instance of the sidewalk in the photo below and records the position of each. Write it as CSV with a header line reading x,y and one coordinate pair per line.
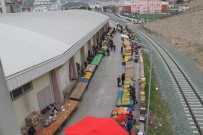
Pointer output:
x,y
100,97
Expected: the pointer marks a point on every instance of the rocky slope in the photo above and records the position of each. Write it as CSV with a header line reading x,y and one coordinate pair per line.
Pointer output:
x,y
194,3
184,32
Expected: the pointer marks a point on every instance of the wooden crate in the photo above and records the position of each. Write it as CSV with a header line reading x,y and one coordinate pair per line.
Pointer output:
x,y
33,118
129,64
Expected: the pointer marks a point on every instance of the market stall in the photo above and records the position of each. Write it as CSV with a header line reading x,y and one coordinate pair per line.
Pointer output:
x,y
97,59
95,126
78,91
129,64
90,68
69,107
129,73
120,115
124,98
142,103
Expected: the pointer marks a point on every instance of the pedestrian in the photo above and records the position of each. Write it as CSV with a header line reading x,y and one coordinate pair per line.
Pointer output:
x,y
129,125
114,47
121,49
111,46
123,78
85,64
133,97
132,88
108,52
119,81
32,131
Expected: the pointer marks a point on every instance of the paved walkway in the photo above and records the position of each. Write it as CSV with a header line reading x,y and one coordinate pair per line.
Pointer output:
x,y
100,97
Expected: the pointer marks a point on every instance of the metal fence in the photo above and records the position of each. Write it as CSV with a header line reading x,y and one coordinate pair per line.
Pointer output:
x,y
190,10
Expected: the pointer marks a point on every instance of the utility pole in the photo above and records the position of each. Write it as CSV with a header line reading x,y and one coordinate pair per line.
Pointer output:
x,y
148,9
3,6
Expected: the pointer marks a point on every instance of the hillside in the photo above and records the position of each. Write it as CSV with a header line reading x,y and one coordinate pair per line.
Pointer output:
x,y
184,32
194,3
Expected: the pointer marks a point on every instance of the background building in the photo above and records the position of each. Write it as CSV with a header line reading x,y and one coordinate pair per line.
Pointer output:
x,y
145,7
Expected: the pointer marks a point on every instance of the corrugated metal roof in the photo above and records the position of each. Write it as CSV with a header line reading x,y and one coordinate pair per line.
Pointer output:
x,y
32,44
28,39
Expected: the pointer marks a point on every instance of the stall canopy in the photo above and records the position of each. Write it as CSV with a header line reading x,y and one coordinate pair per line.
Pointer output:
x,y
96,126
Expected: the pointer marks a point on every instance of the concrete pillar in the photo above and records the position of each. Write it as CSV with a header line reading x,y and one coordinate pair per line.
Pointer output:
x,y
3,6
57,89
8,123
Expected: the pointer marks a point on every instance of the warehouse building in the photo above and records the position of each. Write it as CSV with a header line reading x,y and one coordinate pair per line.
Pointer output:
x,y
41,54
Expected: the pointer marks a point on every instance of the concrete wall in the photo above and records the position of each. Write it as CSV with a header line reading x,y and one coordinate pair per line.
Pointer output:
x,y
28,103
63,73
8,122
86,50
77,57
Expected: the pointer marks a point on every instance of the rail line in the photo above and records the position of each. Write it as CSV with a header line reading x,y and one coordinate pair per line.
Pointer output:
x,y
190,97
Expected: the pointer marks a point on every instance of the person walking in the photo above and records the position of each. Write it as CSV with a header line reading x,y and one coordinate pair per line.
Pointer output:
x,y
133,97
121,49
123,78
129,125
111,46
119,81
114,47
108,52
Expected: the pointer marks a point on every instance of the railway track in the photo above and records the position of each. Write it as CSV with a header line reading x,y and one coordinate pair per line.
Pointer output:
x,y
188,93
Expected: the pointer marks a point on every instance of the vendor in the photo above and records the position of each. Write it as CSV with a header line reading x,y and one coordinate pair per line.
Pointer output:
x,y
53,110
52,118
119,81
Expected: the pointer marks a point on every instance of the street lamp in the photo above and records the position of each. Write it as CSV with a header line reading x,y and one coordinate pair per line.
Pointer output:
x,y
150,80
149,91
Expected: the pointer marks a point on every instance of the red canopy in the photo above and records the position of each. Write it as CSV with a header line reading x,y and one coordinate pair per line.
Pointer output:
x,y
96,126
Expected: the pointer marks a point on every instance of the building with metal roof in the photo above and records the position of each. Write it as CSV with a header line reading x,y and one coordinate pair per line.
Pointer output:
x,y
32,42
41,54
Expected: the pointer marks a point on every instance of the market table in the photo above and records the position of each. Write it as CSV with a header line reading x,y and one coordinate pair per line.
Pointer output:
x,y
86,78
129,72
69,107
97,59
78,91
129,64
90,68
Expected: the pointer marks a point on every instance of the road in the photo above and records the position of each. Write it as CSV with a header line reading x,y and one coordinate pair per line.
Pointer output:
x,y
100,97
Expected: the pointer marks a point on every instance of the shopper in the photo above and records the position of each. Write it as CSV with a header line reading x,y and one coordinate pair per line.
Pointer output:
x,y
119,81
121,49
132,88
123,78
32,131
114,47
129,125
108,52
133,97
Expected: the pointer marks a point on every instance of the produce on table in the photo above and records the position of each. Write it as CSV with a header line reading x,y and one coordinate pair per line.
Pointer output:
x,y
119,102
88,75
